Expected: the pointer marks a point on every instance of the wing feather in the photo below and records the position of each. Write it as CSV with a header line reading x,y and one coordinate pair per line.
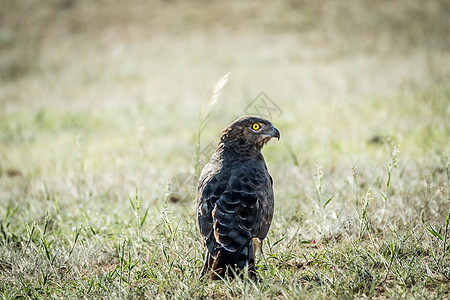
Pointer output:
x,y
234,208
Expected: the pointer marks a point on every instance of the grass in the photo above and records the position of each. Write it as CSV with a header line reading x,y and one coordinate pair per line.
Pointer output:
x,y
102,130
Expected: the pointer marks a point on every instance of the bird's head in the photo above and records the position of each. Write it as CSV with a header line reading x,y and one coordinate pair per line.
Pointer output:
x,y
250,129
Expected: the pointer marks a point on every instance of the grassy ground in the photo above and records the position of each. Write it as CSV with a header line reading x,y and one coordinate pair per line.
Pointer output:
x,y
99,108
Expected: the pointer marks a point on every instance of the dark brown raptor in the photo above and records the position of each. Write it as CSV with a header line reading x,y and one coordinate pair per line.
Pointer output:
x,y
235,199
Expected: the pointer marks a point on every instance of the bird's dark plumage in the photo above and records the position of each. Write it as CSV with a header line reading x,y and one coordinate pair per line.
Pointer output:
x,y
235,199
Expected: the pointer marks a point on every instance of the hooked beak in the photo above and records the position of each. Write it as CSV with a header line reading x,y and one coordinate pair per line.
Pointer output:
x,y
275,133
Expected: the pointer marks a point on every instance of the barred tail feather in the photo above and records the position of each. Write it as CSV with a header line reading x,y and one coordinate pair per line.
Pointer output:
x,y
230,263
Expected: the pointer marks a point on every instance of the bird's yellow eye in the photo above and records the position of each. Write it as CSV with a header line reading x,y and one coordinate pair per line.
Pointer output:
x,y
255,126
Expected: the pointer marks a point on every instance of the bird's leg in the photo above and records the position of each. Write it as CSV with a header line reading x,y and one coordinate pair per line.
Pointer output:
x,y
256,246
260,244
251,261
207,265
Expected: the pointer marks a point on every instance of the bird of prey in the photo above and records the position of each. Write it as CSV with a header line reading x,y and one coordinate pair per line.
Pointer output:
x,y
235,199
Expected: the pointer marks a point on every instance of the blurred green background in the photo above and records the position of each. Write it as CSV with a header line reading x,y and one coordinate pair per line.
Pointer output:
x,y
116,86
112,90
